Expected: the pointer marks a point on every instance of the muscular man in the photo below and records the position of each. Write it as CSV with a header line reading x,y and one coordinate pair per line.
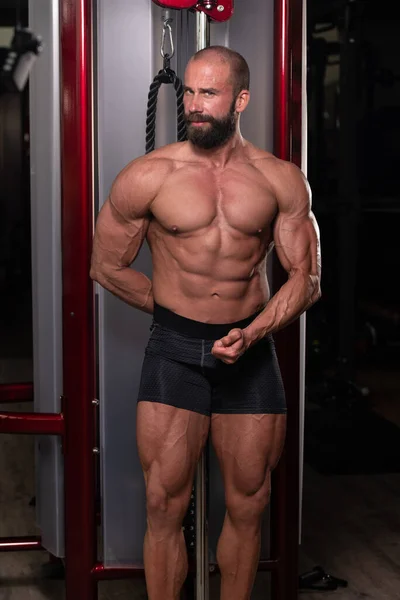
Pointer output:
x,y
211,209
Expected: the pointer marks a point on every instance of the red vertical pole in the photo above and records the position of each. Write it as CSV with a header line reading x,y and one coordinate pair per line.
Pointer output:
x,y
296,89
78,325
282,80
281,150
287,132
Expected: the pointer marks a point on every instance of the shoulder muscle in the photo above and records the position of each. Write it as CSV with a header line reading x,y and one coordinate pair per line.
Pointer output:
x,y
136,186
293,191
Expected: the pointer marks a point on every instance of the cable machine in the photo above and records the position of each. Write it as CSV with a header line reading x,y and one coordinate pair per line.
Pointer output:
x,y
69,398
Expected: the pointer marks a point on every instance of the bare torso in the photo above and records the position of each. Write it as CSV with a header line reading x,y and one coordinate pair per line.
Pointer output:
x,y
209,235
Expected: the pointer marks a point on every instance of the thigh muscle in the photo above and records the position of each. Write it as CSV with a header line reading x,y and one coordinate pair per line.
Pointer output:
x,y
248,447
170,441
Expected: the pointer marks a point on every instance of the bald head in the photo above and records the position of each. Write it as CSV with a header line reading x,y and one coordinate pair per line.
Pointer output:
x,y
240,72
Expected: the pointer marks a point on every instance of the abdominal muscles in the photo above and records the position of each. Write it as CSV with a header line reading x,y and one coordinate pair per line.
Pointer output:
x,y
215,274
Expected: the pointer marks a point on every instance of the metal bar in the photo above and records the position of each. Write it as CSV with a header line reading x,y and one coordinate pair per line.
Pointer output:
x,y
288,57
297,57
202,31
32,423
102,573
16,392
300,157
78,298
20,544
281,149
202,570
282,79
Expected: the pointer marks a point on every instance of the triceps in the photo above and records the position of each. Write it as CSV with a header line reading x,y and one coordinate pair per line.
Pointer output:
x,y
117,241
297,245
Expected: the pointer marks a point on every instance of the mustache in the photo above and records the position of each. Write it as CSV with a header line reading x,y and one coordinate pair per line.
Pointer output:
x,y
199,119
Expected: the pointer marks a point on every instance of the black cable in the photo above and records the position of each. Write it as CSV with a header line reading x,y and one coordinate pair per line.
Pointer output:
x,y
167,76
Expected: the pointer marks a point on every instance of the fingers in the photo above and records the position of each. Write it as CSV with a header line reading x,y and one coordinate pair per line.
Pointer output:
x,y
229,348
234,336
226,356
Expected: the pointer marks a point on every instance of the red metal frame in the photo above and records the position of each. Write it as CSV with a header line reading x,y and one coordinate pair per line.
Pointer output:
x,y
288,57
176,4
28,423
78,298
21,544
32,423
76,423
281,149
16,392
215,13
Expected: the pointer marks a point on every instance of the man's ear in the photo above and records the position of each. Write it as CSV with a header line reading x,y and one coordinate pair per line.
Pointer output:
x,y
242,101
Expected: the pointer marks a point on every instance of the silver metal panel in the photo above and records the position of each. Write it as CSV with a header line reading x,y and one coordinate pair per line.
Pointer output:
x,y
128,57
250,32
124,73
304,154
46,265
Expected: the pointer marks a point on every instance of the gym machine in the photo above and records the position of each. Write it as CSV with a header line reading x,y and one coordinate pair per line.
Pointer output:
x,y
87,345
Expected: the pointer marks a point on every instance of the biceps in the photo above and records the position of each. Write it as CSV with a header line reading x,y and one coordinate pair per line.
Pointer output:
x,y
117,240
297,245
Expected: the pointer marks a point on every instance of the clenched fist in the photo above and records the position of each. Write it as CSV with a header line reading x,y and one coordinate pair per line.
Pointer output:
x,y
231,347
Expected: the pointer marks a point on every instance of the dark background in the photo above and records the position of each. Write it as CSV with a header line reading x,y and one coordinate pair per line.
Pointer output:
x,y
353,333
15,245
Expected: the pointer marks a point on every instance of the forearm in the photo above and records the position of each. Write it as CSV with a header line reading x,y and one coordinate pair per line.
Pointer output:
x,y
297,295
129,285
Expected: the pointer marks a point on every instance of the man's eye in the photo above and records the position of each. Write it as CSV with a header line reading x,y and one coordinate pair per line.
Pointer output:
x,y
209,93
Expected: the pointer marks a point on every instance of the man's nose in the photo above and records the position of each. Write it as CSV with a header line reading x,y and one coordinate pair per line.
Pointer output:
x,y
195,104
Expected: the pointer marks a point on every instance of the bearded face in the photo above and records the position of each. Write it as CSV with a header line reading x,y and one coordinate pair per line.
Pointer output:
x,y
207,132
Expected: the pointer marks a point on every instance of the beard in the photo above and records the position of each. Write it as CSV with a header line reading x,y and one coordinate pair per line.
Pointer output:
x,y
214,135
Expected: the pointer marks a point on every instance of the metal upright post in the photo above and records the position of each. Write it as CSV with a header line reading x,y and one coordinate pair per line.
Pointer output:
x,y
202,30
288,140
78,300
202,578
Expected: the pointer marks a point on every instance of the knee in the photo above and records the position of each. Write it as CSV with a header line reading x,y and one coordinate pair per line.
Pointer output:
x,y
156,501
165,509
245,509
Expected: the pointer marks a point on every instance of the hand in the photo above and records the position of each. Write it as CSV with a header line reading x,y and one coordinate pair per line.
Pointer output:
x,y
231,347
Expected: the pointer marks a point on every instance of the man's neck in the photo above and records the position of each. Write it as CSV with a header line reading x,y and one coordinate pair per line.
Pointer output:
x,y
220,157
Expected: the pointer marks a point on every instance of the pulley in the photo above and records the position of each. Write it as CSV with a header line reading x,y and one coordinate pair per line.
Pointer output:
x,y
217,10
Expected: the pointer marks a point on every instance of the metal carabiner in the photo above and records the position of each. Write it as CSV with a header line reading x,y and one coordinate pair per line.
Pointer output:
x,y
167,26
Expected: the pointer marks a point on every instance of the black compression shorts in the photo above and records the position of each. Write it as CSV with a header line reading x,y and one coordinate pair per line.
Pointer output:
x,y
179,369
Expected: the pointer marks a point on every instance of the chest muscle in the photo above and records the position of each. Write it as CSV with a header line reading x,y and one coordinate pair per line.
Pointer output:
x,y
194,200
